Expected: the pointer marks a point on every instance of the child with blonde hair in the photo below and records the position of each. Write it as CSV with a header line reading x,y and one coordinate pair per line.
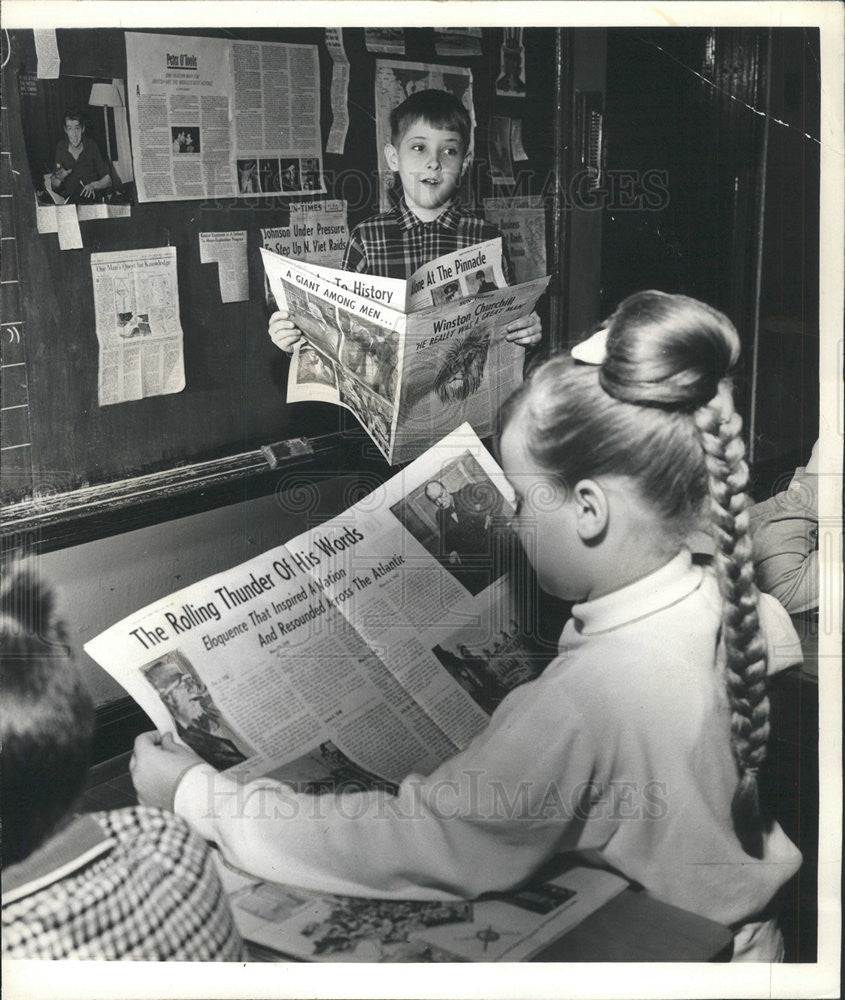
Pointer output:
x,y
640,745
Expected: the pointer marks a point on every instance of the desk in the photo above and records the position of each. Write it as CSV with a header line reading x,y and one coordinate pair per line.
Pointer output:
x,y
636,927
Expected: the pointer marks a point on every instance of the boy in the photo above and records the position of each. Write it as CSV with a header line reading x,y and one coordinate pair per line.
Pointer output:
x,y
429,149
81,172
129,883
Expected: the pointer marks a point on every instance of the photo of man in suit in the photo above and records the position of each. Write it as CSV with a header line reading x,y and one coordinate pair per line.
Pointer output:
x,y
483,282
196,717
464,522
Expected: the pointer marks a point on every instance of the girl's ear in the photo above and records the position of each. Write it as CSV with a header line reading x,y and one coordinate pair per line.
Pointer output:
x,y
592,511
391,156
466,163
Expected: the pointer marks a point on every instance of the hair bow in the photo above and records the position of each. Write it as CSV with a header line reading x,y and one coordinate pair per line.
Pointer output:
x,y
593,350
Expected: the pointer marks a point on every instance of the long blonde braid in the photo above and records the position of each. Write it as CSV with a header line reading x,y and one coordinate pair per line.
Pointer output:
x,y
719,427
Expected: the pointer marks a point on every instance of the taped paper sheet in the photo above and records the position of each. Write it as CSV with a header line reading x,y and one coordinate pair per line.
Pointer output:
x,y
228,251
47,53
499,150
453,42
522,221
385,40
136,304
230,119
46,218
517,148
340,91
511,81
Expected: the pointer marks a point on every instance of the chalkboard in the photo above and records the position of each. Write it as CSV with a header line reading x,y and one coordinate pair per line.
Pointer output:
x,y
62,452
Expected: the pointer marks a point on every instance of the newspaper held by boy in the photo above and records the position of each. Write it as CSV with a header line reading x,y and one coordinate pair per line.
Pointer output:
x,y
411,359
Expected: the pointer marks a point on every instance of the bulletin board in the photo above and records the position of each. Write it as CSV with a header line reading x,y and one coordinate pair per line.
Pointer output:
x,y
65,457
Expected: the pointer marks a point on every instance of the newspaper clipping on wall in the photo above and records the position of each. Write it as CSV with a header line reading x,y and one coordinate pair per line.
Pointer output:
x,y
228,251
336,141
317,233
411,359
214,118
136,305
522,221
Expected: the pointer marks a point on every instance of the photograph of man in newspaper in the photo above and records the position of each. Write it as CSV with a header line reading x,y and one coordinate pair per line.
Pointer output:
x,y
270,179
459,517
77,139
483,279
248,176
446,293
197,719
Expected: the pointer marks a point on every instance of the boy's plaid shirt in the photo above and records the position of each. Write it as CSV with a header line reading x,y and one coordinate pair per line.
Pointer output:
x,y
128,884
395,243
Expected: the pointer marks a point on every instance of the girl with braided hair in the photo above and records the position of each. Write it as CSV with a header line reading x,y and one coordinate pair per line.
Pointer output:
x,y
638,747
647,436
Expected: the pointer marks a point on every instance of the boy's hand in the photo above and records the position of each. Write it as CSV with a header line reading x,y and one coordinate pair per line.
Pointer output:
x,y
156,766
526,331
284,333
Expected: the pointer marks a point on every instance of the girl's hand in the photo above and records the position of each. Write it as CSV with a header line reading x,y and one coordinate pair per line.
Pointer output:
x,y
88,190
526,331
284,333
156,766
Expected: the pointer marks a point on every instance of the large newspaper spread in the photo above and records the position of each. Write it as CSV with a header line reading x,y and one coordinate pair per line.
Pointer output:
x,y
375,644
136,307
411,359
214,118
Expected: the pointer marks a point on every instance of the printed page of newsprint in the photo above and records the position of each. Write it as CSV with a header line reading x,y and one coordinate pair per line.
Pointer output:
x,y
30,980
214,118
350,634
136,304
458,365
408,378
